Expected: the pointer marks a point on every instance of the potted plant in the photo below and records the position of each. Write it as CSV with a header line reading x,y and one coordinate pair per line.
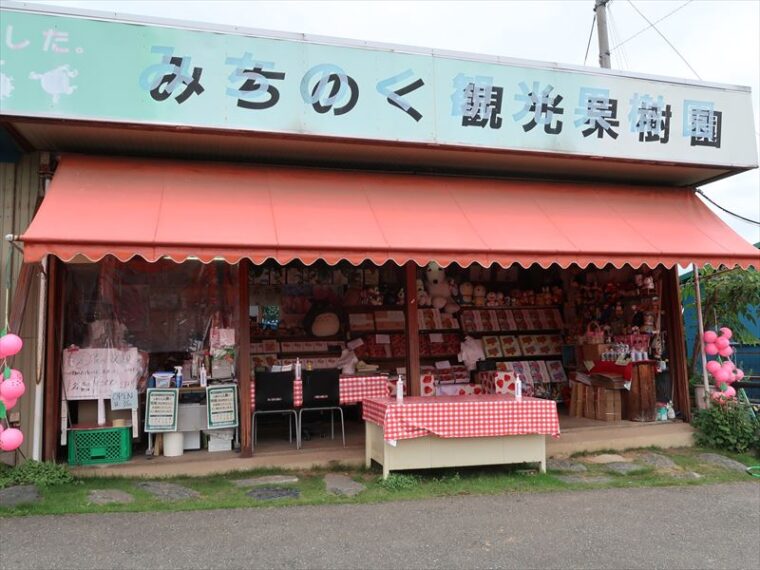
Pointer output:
x,y
698,384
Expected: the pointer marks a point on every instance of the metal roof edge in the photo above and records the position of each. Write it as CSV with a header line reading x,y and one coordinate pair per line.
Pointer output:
x,y
31,7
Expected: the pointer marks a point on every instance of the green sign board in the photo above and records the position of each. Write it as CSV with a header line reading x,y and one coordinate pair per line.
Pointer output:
x,y
222,406
161,405
72,67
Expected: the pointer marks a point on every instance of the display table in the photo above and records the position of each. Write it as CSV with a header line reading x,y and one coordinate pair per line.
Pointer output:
x,y
353,390
457,431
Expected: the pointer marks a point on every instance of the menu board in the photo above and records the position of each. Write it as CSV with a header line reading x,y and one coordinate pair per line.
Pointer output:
x,y
222,406
94,373
161,409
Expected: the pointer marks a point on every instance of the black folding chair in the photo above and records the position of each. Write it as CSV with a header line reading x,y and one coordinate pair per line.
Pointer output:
x,y
274,395
321,391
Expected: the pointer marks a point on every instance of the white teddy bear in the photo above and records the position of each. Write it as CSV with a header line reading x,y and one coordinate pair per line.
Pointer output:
x,y
423,299
439,289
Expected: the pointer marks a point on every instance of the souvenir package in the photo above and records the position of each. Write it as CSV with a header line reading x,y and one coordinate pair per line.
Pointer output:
x,y
521,319
522,369
449,321
538,372
429,319
263,360
492,346
389,320
468,320
361,322
510,346
556,371
533,318
529,345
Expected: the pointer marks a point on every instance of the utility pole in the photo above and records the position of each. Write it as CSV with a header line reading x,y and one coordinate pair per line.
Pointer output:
x,y
600,7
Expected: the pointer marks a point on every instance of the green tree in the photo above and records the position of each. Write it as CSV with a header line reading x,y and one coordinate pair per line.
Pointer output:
x,y
732,297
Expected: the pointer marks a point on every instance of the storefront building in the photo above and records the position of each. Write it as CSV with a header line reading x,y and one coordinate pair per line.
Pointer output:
x,y
235,203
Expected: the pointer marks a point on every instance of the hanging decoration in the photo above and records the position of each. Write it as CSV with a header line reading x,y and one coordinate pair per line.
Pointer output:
x,y
723,370
11,389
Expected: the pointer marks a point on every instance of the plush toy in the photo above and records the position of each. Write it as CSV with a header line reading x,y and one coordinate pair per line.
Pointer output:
x,y
453,289
500,299
471,351
465,291
438,288
423,299
491,299
374,297
401,296
322,320
479,295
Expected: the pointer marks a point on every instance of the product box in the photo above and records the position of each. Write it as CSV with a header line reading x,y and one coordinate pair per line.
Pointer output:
x,y
389,320
449,321
510,346
492,346
429,319
556,372
361,322
608,405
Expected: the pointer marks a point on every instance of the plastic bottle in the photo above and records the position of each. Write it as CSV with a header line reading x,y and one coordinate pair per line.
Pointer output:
x,y
671,411
298,369
400,389
178,376
518,388
204,376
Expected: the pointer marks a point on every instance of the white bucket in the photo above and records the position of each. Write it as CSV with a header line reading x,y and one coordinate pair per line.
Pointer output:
x,y
174,443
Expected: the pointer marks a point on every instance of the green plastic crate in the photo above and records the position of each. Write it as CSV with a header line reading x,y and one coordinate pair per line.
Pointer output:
x,y
96,446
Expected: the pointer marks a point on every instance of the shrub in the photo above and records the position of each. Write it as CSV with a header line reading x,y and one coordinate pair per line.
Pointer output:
x,y
44,474
727,426
399,482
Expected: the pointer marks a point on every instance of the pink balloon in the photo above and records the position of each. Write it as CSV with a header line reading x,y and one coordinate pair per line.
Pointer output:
x,y
726,332
710,337
11,439
726,352
10,344
713,366
711,349
727,365
9,402
729,392
739,374
722,342
721,376
16,374
12,389
1,428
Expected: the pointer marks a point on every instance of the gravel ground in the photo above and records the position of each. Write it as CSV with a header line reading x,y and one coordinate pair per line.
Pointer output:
x,y
709,526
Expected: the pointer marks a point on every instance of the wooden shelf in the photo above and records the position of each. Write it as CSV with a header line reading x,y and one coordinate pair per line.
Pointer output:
x,y
370,308
439,331
462,307
514,332
299,338
524,357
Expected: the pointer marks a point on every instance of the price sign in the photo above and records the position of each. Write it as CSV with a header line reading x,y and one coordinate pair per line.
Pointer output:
x,y
222,406
161,409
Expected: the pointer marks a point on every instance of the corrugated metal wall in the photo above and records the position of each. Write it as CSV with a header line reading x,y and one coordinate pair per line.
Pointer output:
x,y
20,189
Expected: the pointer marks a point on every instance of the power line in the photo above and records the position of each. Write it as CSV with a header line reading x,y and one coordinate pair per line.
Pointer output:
x,y
748,220
655,22
666,39
590,35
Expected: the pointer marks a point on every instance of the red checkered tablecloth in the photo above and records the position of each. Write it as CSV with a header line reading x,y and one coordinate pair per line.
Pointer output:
x,y
353,390
485,415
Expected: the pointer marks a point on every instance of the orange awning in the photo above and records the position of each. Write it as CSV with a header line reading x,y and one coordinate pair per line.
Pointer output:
x,y
127,207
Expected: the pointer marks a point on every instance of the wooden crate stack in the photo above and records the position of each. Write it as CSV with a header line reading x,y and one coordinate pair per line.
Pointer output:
x,y
596,403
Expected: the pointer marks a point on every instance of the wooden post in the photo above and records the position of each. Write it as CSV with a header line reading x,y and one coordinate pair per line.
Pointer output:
x,y
701,333
412,331
679,372
53,339
244,358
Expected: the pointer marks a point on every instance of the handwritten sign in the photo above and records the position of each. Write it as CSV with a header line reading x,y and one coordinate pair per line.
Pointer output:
x,y
94,373
222,406
124,400
161,409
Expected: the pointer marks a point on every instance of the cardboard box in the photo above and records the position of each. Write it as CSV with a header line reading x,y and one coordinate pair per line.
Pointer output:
x,y
593,351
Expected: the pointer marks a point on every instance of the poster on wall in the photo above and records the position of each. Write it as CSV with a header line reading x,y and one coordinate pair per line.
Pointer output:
x,y
161,409
222,406
95,373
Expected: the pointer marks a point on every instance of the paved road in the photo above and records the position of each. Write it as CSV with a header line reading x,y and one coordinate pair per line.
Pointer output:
x,y
696,527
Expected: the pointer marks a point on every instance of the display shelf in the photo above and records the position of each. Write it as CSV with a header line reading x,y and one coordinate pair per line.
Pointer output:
x,y
357,334
525,357
439,331
516,332
300,338
366,308
499,307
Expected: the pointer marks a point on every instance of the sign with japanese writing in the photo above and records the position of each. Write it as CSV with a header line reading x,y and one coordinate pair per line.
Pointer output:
x,y
161,409
89,69
124,400
222,406
94,373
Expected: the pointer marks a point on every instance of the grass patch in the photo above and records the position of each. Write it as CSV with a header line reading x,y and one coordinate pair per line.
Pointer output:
x,y
219,492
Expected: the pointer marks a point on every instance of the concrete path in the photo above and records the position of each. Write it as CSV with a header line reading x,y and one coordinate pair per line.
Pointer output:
x,y
711,526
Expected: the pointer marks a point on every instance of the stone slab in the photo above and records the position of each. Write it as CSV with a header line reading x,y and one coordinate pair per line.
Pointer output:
x,y
342,485
168,491
573,479
723,461
19,495
271,493
607,458
565,465
624,468
109,496
657,460
266,480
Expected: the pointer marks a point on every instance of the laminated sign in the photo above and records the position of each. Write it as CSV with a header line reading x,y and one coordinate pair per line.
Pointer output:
x,y
161,409
222,406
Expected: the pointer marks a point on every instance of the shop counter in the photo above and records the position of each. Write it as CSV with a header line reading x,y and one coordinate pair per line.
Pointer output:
x,y
457,431
353,390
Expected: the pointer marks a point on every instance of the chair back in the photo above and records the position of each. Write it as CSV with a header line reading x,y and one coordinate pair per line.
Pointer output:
x,y
274,390
321,388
